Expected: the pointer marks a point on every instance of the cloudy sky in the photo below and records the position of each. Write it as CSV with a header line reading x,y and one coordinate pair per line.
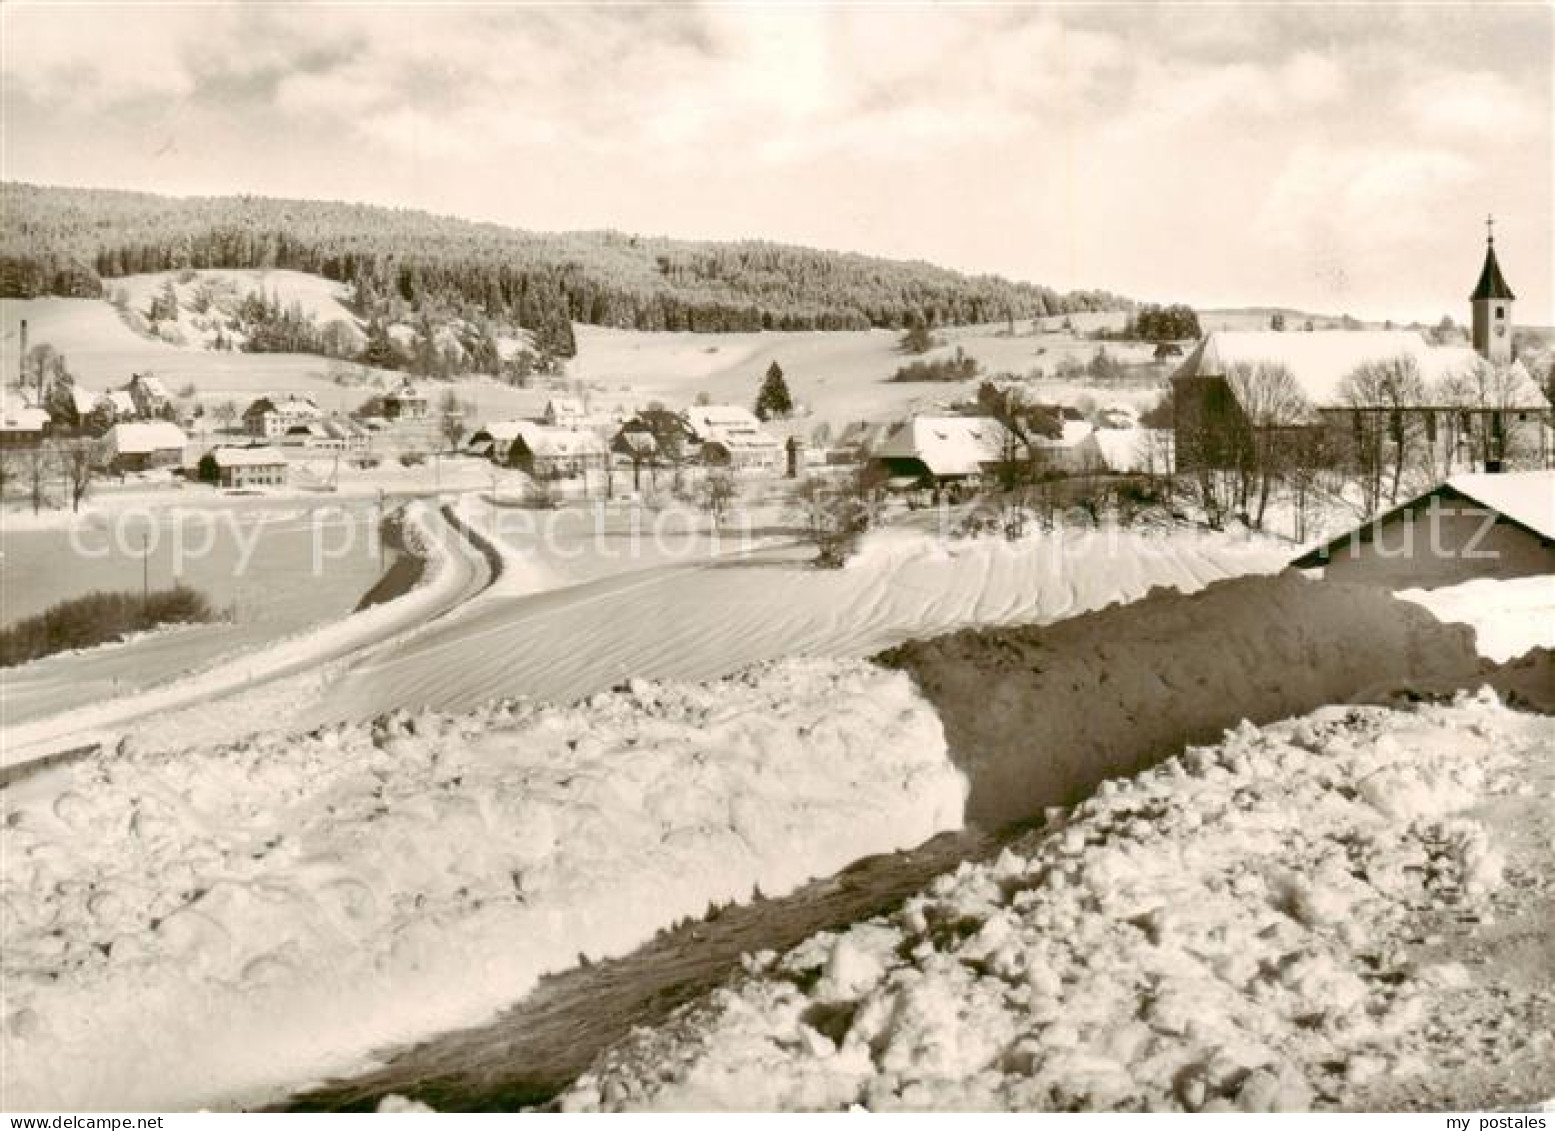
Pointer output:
x,y
1333,157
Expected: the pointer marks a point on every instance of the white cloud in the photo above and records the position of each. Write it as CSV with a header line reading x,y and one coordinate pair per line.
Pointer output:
x,y
1475,103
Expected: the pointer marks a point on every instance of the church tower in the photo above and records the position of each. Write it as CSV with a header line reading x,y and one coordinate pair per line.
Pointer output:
x,y
1492,306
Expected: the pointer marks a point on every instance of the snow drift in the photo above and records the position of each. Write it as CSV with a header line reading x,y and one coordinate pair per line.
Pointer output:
x,y
1038,716
1255,925
208,926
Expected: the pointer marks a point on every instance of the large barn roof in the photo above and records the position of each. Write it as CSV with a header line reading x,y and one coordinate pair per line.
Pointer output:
x,y
1524,498
946,445
1527,497
1320,360
145,438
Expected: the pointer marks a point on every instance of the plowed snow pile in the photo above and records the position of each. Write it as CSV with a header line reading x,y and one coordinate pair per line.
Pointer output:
x,y
1300,916
1510,616
203,927
1039,715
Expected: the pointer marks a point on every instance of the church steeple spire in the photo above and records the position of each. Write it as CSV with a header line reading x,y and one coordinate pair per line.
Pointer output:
x,y
1491,285
1491,304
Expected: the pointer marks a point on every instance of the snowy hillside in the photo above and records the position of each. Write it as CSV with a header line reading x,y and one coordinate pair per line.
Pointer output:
x,y
245,918
1352,909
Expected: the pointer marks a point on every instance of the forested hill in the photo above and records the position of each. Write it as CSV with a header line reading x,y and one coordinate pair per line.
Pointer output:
x,y
67,240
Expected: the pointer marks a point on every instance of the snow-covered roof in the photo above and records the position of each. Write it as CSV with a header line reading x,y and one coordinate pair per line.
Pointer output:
x,y
121,402
1525,497
16,416
505,431
947,445
132,438
84,399
728,424
1075,433
291,405
247,457
1320,360
343,427
549,441
564,408
152,384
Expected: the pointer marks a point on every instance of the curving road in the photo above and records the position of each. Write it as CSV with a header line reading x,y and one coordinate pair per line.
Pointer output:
x,y
466,566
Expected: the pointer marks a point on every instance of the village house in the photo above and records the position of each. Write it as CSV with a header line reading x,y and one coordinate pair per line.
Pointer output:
x,y
117,405
858,440
84,402
270,417
142,446
21,425
564,412
659,436
494,440
1074,450
1471,526
404,402
148,396
1467,406
244,467
545,452
936,451
731,436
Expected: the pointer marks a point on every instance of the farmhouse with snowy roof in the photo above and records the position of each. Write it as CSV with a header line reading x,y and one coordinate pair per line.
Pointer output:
x,y
21,425
1471,526
272,416
405,402
1468,406
244,467
731,436
142,446
149,396
938,450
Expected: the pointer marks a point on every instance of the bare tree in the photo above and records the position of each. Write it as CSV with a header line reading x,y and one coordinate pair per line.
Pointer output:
x,y
1275,410
1484,396
718,495
37,466
836,512
77,461
1384,398
226,414
451,416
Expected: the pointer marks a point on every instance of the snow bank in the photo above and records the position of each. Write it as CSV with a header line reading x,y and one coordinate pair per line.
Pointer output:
x,y
1225,931
1509,617
1039,715
207,927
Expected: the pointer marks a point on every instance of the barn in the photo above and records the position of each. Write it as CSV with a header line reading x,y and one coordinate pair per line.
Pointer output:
x,y
1471,526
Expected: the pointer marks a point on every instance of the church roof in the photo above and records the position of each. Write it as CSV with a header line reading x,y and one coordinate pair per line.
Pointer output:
x,y
1491,284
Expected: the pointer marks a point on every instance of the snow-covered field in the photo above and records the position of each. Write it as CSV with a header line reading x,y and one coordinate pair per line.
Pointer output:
x,y
207,926
1352,909
443,583
836,376
703,616
1509,616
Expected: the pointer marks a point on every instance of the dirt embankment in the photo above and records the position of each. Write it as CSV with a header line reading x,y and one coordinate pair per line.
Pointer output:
x,y
1039,716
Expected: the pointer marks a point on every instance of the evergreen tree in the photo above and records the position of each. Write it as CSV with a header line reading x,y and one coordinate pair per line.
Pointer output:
x,y
773,400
